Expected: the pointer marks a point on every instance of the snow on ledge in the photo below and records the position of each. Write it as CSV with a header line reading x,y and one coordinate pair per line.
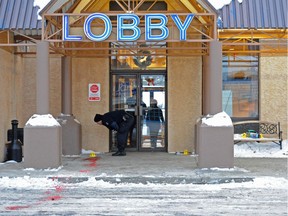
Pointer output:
x,y
217,120
43,120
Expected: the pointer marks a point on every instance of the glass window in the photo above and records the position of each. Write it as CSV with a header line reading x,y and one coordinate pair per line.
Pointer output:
x,y
240,94
138,56
145,5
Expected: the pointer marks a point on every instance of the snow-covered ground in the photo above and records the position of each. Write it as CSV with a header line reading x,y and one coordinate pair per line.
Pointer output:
x,y
264,150
265,195
242,150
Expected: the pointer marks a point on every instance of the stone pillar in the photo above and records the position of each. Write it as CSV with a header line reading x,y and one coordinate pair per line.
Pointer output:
x,y
212,79
42,133
214,143
43,142
71,128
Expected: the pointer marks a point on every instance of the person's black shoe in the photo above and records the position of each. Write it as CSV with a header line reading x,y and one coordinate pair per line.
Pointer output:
x,y
118,153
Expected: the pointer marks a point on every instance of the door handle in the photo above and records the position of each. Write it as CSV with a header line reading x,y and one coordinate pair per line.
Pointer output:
x,y
140,110
136,111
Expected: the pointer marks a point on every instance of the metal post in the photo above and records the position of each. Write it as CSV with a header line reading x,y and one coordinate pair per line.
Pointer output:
x,y
66,85
42,71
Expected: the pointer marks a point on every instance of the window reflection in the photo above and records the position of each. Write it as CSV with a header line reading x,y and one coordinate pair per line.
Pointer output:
x,y
240,86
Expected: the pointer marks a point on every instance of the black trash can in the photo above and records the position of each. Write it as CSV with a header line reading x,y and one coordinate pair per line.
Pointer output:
x,y
14,147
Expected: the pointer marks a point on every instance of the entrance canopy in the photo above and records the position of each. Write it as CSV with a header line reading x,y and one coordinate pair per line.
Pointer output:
x,y
73,27
249,27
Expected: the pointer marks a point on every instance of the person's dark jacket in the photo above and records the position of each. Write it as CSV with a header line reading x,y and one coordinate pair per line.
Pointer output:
x,y
113,119
155,114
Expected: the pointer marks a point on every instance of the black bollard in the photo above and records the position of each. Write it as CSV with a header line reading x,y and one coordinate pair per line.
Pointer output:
x,y
14,149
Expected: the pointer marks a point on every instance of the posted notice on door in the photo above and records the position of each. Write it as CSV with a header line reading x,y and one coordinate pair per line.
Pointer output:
x,y
94,92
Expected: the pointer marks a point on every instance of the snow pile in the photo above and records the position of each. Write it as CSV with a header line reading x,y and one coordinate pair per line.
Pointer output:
x,y
42,120
27,182
261,150
218,120
42,183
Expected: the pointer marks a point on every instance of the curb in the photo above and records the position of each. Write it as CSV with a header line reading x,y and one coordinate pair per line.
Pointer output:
x,y
153,180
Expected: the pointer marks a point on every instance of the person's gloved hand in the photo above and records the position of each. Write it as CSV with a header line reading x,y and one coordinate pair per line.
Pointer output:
x,y
114,126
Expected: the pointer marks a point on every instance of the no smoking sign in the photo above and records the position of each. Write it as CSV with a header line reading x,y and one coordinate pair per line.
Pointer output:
x,y
94,92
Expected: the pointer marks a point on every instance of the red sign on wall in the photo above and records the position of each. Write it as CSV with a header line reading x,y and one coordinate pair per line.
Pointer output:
x,y
94,92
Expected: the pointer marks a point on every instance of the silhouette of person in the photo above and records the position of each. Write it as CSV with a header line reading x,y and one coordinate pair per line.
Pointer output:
x,y
132,102
154,121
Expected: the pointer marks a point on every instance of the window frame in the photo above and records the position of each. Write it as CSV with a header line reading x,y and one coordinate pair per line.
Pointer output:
x,y
257,63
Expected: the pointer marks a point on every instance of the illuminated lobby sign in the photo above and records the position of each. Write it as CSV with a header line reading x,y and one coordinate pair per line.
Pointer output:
x,y
129,22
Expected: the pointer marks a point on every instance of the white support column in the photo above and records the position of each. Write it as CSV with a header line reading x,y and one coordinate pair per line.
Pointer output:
x,y
212,77
42,71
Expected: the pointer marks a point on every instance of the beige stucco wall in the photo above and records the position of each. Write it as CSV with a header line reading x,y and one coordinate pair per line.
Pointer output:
x,y
85,71
18,91
29,87
10,94
6,70
274,90
184,101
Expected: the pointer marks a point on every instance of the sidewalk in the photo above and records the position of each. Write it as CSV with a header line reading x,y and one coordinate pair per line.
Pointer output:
x,y
155,167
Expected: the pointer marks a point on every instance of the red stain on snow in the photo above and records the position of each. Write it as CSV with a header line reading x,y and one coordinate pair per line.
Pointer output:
x,y
59,189
15,208
92,163
53,198
91,159
85,171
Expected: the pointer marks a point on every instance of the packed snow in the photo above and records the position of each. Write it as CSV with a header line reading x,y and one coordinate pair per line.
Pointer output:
x,y
41,183
217,120
261,150
42,120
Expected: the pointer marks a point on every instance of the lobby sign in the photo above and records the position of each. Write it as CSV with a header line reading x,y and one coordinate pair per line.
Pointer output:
x,y
129,22
94,92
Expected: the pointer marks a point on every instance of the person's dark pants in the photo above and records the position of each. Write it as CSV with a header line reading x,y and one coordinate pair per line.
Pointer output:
x,y
131,135
122,134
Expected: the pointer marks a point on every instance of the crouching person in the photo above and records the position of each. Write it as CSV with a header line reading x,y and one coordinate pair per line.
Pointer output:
x,y
119,121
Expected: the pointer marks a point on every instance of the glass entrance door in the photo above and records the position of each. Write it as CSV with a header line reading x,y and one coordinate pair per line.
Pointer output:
x,y
142,95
